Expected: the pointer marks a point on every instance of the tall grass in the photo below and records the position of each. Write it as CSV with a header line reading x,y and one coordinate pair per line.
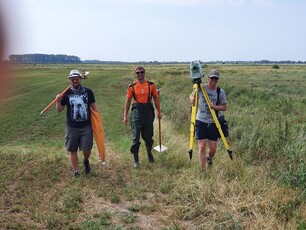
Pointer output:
x,y
262,188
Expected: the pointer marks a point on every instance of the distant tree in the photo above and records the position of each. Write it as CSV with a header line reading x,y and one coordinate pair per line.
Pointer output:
x,y
275,67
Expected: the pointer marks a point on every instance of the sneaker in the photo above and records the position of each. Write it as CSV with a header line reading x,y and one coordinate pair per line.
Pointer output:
x,y
76,174
151,158
136,165
209,161
86,166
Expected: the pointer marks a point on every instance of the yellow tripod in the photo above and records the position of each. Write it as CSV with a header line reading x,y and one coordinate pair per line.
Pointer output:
x,y
197,84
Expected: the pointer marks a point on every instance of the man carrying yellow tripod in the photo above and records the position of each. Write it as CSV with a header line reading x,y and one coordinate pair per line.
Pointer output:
x,y
206,130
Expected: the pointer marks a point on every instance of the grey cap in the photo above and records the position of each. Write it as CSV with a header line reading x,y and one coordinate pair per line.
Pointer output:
x,y
75,73
214,73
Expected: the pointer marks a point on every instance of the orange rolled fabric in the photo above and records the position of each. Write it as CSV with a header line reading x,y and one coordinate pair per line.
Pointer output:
x,y
98,131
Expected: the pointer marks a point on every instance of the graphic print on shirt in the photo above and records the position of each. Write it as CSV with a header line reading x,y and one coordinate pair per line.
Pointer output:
x,y
78,103
212,98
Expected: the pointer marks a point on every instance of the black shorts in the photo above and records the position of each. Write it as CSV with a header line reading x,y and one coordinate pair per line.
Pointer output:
x,y
78,138
206,131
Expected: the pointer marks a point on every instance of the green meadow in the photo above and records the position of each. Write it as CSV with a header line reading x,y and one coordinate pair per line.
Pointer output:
x,y
263,187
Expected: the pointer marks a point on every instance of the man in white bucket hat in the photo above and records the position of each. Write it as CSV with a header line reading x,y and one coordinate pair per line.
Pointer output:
x,y
79,135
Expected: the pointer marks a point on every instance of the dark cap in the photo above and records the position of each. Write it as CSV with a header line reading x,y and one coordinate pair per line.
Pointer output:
x,y
213,73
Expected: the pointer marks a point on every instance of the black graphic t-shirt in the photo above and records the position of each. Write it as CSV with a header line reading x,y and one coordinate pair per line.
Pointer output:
x,y
78,106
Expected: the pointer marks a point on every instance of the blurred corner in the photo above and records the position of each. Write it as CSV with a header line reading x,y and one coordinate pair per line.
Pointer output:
x,y
5,73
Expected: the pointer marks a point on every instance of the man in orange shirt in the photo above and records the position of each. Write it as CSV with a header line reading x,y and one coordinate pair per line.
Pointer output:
x,y
142,113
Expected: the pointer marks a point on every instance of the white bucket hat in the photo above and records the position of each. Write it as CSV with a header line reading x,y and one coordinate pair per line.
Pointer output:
x,y
75,73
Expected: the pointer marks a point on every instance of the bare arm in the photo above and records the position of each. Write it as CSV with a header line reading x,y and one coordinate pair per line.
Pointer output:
x,y
94,106
222,107
126,110
157,106
59,107
192,98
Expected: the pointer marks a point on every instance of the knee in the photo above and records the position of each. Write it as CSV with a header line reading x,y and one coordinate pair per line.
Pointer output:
x,y
135,148
202,149
202,145
149,143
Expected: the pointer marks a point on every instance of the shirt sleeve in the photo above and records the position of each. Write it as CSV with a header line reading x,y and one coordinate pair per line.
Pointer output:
x,y
63,100
222,97
129,93
91,96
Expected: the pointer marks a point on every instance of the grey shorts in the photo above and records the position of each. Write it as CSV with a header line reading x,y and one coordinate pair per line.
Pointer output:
x,y
78,138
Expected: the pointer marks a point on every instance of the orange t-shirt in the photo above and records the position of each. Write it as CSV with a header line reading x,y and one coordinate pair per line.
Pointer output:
x,y
141,91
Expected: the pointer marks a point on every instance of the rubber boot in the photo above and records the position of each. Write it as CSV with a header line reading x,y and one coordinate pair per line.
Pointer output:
x,y
136,160
149,151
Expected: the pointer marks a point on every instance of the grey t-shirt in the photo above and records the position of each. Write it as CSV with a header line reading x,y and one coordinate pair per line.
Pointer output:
x,y
203,113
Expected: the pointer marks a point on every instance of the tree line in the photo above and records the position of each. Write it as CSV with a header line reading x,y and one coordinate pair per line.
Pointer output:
x,y
43,58
63,58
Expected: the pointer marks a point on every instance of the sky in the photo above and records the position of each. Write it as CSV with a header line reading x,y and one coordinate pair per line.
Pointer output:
x,y
157,30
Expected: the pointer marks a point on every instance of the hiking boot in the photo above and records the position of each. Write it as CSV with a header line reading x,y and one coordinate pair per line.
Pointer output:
x,y
136,165
151,158
76,174
86,166
209,161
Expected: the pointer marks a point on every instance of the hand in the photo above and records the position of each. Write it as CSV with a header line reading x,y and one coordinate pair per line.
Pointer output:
x,y
125,120
212,105
191,99
159,115
59,97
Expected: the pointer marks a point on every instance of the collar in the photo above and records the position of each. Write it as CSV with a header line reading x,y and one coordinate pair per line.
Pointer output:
x,y
80,89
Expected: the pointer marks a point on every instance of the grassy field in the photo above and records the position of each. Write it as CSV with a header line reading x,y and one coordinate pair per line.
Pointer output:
x,y
264,187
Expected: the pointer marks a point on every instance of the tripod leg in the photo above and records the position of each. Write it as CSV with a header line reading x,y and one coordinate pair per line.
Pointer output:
x,y
194,110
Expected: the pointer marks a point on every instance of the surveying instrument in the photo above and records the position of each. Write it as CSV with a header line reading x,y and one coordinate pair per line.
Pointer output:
x,y
196,73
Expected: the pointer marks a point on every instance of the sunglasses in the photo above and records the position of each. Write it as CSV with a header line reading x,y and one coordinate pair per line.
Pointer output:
x,y
214,78
74,78
140,72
